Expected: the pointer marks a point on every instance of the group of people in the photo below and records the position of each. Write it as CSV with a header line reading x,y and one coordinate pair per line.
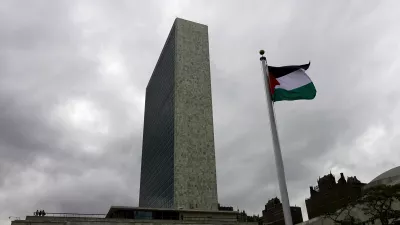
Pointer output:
x,y
39,213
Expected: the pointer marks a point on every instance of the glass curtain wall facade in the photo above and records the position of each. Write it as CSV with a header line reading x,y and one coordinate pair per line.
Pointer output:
x,y
157,172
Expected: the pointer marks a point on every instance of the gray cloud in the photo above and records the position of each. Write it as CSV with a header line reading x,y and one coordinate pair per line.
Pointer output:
x,y
73,75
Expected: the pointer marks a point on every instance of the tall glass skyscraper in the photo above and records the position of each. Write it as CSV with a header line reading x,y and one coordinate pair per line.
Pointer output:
x,y
178,157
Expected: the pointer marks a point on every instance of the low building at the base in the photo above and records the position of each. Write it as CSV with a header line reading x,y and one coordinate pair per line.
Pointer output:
x,y
122,215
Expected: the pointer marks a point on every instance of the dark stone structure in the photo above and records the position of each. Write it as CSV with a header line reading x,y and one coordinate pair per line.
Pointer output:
x,y
330,195
273,213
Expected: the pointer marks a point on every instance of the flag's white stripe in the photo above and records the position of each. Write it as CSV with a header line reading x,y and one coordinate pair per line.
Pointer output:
x,y
293,80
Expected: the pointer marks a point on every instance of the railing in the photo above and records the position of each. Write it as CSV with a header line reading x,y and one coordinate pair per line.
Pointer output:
x,y
74,215
14,218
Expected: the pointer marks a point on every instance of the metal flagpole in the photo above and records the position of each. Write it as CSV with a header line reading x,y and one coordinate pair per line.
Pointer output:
x,y
277,148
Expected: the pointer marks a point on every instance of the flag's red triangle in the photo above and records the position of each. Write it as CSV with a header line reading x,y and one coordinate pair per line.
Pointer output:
x,y
272,82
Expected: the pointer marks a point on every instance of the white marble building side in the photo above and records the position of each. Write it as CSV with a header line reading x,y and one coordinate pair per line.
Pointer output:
x,y
195,167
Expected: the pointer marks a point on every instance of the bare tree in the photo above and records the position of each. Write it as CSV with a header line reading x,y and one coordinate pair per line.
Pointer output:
x,y
344,215
377,203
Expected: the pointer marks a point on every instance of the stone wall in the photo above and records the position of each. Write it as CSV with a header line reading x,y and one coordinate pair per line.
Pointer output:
x,y
195,166
96,221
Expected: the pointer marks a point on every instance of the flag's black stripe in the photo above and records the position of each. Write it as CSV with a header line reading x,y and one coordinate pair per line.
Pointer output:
x,y
284,70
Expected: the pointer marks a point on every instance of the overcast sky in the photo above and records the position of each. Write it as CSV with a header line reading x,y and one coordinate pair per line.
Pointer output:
x,y
73,78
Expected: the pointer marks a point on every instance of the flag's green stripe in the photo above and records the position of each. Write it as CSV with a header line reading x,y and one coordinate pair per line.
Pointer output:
x,y
304,92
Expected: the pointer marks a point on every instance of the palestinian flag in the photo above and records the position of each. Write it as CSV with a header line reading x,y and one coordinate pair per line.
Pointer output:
x,y
290,83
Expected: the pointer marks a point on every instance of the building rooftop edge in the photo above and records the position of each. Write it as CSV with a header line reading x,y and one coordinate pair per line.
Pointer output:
x,y
133,221
113,208
190,21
